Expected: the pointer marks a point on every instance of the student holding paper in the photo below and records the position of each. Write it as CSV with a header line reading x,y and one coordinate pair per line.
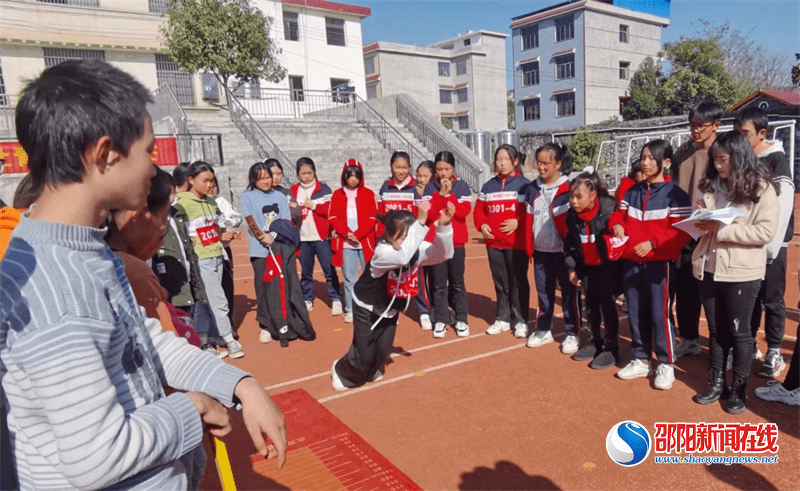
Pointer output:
x,y
730,261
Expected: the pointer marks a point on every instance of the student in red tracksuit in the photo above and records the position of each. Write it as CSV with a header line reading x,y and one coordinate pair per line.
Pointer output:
x,y
314,198
646,217
401,192
448,189
499,215
352,215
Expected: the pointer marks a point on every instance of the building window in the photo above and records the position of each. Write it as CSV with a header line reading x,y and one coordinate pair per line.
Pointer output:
x,y
444,69
445,96
54,56
467,42
79,3
158,6
462,95
461,67
623,33
530,73
624,70
565,28
296,85
530,37
291,32
181,83
372,91
531,110
565,66
369,65
463,122
341,90
565,104
334,29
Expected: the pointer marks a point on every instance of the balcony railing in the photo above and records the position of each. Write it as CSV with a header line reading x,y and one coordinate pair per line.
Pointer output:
x,y
204,146
8,105
167,114
293,103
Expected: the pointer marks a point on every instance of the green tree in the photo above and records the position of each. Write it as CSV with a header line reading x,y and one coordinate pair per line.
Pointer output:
x,y
645,99
512,123
585,147
697,74
226,37
796,72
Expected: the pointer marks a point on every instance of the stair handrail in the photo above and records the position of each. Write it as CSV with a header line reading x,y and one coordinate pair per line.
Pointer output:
x,y
165,107
434,136
263,145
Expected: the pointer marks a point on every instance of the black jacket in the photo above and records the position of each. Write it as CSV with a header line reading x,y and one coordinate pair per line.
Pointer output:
x,y
169,266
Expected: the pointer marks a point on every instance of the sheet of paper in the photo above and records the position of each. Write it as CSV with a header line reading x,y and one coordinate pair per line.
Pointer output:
x,y
725,216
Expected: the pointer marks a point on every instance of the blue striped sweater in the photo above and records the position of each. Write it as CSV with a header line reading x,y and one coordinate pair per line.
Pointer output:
x,y
82,370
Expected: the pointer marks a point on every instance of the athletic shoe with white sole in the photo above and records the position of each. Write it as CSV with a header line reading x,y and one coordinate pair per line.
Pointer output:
x,y
570,345
425,322
776,392
336,382
309,306
540,338
462,329
635,369
235,349
665,376
773,364
757,354
336,307
264,337
210,349
688,347
348,317
520,331
439,330
498,327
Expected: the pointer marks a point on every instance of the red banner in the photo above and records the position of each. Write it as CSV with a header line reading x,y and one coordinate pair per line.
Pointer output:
x,y
165,154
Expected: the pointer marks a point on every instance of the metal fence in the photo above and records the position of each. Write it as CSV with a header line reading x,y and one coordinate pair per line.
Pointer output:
x,y
167,114
293,103
8,105
258,138
203,146
79,3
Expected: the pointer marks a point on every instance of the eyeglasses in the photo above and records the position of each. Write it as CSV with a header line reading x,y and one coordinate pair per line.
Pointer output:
x,y
701,127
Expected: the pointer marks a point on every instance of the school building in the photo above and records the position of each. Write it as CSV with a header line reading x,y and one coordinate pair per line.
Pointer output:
x,y
573,61
462,79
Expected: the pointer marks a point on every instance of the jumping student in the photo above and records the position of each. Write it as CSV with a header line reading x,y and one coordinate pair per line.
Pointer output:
x,y
386,287
589,267
448,276
646,216
314,198
688,167
261,205
499,213
82,371
352,215
752,123
547,201
205,221
730,261
402,192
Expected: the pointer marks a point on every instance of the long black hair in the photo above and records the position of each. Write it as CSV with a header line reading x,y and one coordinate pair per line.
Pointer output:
x,y
560,153
161,186
592,181
255,173
306,161
661,150
428,164
445,156
349,170
395,223
198,168
747,174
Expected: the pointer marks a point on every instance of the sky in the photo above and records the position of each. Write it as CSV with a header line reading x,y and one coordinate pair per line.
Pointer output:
x,y
772,23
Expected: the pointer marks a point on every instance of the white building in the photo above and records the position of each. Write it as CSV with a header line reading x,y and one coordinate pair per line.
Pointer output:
x,y
462,79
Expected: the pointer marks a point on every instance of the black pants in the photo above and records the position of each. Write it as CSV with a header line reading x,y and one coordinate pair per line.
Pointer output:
x,y
728,307
770,298
227,286
792,380
262,309
685,293
369,349
510,275
449,275
600,298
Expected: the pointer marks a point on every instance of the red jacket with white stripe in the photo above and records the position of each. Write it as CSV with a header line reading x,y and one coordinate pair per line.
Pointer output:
x,y
321,196
460,196
647,212
501,199
367,210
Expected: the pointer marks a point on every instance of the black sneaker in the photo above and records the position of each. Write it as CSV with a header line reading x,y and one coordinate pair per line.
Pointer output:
x,y
586,353
605,360
773,364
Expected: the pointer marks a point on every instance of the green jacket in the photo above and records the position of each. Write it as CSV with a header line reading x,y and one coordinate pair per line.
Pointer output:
x,y
203,220
170,266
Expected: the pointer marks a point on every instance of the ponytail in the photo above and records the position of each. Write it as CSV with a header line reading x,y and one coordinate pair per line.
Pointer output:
x,y
560,153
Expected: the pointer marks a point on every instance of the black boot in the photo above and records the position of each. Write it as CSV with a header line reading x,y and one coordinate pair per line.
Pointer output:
x,y
737,402
714,390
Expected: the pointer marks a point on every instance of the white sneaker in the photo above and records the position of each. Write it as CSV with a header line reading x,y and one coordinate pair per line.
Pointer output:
x,y
235,349
309,306
757,354
665,376
336,307
462,329
570,345
264,337
635,369
348,317
520,331
776,392
439,330
425,322
336,382
688,347
540,338
498,327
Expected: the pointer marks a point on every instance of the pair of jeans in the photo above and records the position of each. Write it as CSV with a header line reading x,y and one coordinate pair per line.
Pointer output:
x,y
448,277
728,307
211,270
321,249
351,258
549,267
509,269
